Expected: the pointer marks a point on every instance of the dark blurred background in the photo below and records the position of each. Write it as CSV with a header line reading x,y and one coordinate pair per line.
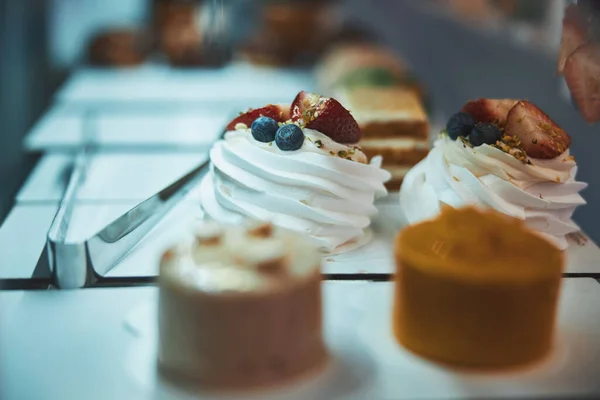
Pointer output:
x,y
460,50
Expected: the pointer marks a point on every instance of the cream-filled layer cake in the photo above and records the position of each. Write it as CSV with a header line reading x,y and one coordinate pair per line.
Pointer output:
x,y
394,126
502,154
385,98
338,67
307,174
240,307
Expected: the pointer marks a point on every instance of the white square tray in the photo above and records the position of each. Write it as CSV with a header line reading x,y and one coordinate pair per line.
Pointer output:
x,y
109,177
21,240
237,84
63,128
101,344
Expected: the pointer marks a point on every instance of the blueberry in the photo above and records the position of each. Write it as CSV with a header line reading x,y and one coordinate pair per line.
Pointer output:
x,y
263,129
289,137
460,124
484,133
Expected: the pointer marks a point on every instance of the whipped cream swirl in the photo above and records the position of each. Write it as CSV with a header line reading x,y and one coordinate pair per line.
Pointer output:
x,y
543,193
324,189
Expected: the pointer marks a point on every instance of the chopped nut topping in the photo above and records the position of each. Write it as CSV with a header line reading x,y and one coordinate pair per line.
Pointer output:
x,y
240,125
518,154
512,145
577,237
168,255
208,241
319,144
261,230
455,178
209,235
271,266
342,153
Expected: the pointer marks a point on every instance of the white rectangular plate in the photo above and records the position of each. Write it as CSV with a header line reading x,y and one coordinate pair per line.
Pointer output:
x,y
101,344
238,83
22,233
63,128
110,176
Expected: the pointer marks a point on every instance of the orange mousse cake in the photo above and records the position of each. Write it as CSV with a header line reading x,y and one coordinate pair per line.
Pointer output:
x,y
476,289
240,307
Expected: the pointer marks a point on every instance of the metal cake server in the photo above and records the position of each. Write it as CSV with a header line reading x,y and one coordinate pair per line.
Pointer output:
x,y
76,264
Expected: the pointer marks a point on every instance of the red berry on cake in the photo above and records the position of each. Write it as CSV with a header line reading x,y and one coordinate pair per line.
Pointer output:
x,y
327,116
540,136
582,74
489,110
278,112
302,102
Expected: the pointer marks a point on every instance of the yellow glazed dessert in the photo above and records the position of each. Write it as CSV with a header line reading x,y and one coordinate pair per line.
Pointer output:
x,y
476,289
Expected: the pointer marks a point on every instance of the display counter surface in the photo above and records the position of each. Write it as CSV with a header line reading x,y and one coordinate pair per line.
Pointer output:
x,y
101,344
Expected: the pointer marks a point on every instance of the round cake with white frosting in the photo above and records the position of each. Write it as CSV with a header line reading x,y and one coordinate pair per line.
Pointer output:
x,y
318,183
502,154
240,307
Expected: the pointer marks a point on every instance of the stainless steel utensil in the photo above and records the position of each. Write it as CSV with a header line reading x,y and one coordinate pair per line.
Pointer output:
x,y
76,264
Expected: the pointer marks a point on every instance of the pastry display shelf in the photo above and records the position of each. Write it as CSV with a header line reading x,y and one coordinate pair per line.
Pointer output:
x,y
115,182
101,344
237,82
156,106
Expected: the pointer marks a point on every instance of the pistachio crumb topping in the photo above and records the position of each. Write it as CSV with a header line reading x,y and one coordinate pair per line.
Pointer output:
x,y
262,230
512,145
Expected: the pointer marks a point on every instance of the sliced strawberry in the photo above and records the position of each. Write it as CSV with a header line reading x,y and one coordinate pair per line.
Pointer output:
x,y
279,113
327,116
574,34
303,102
489,110
582,74
539,135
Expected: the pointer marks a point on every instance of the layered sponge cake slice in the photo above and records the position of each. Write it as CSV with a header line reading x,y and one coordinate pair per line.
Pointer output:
x,y
385,98
394,126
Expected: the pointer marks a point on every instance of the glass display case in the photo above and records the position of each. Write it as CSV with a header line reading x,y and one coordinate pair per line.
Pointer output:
x,y
332,199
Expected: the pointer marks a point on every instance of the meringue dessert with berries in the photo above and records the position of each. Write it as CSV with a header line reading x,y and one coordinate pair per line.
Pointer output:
x,y
299,167
502,154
